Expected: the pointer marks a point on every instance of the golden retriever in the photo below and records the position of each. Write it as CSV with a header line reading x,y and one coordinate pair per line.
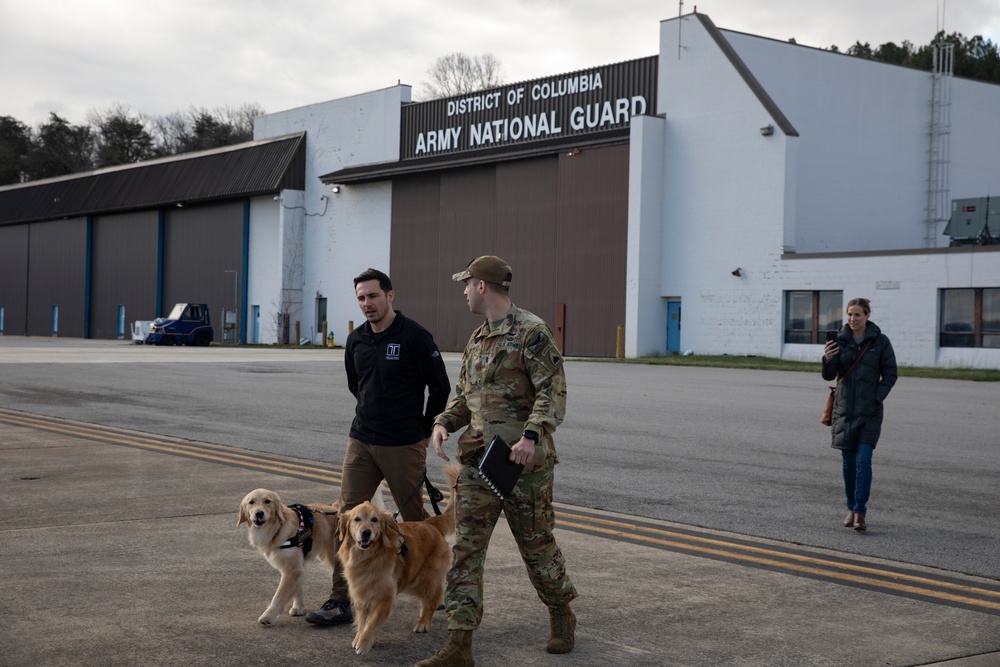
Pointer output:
x,y
274,528
382,558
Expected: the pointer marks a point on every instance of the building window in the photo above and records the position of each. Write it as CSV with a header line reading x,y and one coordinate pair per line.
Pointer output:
x,y
970,317
810,314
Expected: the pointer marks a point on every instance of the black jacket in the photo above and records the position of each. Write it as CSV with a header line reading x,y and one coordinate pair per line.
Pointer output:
x,y
387,372
857,408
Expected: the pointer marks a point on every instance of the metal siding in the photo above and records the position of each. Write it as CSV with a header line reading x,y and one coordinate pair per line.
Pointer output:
x,y
386,171
56,276
415,264
199,245
124,271
14,278
592,231
561,222
440,223
526,225
468,230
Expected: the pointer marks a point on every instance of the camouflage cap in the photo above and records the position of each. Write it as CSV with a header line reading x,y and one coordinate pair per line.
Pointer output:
x,y
490,268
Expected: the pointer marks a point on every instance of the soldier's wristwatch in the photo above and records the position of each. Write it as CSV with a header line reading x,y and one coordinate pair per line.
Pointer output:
x,y
530,435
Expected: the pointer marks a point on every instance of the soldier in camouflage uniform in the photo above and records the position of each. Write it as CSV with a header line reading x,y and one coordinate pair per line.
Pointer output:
x,y
511,384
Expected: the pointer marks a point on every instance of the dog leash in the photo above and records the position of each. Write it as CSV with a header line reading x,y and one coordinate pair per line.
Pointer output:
x,y
435,495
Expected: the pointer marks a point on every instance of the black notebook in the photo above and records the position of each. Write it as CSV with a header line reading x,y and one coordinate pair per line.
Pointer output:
x,y
498,470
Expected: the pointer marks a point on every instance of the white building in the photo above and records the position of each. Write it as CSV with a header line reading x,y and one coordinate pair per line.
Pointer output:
x,y
728,195
806,170
834,200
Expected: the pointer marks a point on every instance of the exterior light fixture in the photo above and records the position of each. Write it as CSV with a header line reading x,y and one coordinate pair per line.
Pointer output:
x,y
738,272
767,130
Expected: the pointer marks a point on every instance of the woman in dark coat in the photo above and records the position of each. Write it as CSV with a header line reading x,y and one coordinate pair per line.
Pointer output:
x,y
857,407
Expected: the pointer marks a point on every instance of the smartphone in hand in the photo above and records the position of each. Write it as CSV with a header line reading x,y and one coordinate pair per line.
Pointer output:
x,y
831,336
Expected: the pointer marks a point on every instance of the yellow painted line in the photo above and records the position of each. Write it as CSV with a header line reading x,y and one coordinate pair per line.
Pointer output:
x,y
178,448
189,450
800,557
782,565
770,557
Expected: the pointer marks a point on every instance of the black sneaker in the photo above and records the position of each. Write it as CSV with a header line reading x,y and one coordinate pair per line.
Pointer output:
x,y
332,613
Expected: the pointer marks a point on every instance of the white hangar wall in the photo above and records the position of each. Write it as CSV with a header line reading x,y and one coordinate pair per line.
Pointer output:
x,y
862,147
852,182
864,143
326,242
263,269
724,199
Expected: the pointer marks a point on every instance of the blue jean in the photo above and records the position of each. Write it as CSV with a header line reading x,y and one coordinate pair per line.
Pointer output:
x,y
858,476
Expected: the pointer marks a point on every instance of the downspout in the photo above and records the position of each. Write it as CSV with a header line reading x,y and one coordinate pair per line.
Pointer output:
x,y
243,273
87,277
160,225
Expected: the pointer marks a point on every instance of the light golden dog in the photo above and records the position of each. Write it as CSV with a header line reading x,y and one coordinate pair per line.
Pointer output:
x,y
274,528
382,558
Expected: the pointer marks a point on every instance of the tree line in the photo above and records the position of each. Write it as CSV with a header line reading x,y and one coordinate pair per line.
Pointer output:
x,y
115,136
975,57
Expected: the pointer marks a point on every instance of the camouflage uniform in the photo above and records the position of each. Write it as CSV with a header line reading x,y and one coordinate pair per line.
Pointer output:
x,y
512,380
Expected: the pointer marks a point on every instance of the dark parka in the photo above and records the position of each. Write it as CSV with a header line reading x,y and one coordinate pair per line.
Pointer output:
x,y
857,408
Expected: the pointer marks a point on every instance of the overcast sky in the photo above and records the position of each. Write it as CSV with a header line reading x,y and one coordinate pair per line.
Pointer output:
x,y
161,56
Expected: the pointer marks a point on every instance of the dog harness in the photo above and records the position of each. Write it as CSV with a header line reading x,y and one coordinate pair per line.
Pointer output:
x,y
403,551
303,538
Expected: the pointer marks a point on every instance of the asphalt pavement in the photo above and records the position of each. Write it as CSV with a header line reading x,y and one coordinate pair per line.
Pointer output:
x,y
119,546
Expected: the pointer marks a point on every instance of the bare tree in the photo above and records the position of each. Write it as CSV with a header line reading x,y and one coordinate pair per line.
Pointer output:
x,y
241,118
169,133
458,74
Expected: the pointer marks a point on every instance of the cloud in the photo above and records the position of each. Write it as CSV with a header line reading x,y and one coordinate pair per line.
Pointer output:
x,y
161,56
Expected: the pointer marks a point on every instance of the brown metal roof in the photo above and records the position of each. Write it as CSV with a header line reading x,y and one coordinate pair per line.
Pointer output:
x,y
244,170
386,170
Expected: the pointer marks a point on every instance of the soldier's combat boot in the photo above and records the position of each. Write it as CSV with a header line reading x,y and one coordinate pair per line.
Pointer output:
x,y
457,652
563,623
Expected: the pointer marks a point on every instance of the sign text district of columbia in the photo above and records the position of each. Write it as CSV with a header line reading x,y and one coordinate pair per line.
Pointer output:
x,y
586,117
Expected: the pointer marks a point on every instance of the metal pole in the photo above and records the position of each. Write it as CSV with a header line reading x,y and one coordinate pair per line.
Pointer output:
x,y
236,287
236,299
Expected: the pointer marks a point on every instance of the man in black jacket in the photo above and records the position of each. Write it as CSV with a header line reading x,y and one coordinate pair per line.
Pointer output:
x,y
390,360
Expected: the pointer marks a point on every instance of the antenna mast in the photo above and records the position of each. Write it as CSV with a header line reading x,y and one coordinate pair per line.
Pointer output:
x,y
680,10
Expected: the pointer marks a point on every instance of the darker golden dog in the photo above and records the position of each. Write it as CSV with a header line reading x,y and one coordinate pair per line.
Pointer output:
x,y
382,558
274,529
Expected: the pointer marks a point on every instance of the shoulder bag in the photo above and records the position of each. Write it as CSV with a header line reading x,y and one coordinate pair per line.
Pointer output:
x,y
827,418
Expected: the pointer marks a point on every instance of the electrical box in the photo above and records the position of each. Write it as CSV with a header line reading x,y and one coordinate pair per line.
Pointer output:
x,y
974,221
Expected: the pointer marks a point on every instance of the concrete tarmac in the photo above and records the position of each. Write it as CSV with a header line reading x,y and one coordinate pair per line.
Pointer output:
x,y
119,548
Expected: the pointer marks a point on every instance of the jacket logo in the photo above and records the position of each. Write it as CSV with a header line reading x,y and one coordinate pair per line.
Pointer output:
x,y
392,351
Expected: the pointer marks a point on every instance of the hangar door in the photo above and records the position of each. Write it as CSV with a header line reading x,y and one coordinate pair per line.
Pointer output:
x,y
57,278
13,279
123,271
203,258
560,220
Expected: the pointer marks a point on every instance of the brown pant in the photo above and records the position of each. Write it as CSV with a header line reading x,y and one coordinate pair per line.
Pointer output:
x,y
365,466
